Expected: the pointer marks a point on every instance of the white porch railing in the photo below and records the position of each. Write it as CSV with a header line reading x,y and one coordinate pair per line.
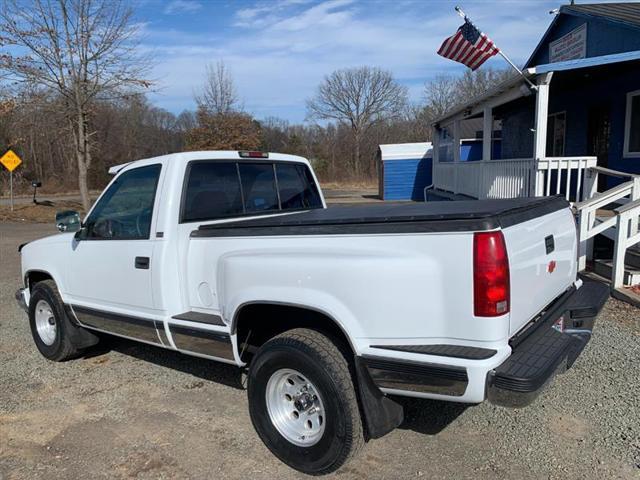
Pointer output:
x,y
492,179
554,173
522,177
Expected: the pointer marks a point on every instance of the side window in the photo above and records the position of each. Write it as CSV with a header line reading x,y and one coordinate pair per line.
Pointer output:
x,y
258,187
125,210
213,191
296,186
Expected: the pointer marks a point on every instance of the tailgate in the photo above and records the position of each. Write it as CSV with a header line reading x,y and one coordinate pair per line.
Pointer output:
x,y
542,263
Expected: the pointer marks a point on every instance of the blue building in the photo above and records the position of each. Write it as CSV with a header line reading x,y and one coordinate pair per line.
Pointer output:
x,y
594,110
583,112
404,170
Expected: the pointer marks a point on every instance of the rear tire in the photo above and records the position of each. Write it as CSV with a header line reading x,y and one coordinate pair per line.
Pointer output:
x,y
50,326
303,403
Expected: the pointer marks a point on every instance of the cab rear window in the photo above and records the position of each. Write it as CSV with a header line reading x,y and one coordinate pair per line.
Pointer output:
x,y
221,189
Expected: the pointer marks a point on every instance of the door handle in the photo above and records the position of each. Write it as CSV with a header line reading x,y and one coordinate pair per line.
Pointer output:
x,y
142,263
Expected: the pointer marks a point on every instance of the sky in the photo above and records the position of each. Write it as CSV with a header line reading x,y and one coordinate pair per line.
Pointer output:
x,y
278,51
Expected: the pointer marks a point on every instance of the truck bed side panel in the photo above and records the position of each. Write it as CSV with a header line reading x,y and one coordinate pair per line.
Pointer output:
x,y
398,288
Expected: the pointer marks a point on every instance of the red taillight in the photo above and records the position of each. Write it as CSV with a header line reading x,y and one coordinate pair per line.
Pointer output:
x,y
490,275
244,154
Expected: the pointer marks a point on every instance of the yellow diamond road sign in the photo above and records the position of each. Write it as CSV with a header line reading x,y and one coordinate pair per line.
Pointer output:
x,y
10,160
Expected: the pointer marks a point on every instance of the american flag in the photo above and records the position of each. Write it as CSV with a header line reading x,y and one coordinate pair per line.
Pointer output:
x,y
468,46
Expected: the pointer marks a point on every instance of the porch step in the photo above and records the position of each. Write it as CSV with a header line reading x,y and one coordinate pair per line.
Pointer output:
x,y
610,233
631,273
632,258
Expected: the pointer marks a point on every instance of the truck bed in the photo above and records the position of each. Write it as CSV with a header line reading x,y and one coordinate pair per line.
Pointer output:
x,y
457,216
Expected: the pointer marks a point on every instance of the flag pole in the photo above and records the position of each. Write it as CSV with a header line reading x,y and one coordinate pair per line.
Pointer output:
x,y
507,59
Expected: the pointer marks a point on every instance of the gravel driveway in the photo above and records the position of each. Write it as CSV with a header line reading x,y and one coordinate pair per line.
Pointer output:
x,y
135,411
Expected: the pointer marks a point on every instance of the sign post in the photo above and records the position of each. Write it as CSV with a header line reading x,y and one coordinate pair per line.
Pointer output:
x,y
10,161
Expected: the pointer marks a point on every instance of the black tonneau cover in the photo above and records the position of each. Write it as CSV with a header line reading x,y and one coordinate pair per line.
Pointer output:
x,y
454,216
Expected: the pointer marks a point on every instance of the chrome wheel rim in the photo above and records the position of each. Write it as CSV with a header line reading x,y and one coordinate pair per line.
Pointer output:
x,y
45,322
295,407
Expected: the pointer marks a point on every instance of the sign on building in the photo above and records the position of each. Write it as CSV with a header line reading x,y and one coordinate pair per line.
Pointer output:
x,y
571,46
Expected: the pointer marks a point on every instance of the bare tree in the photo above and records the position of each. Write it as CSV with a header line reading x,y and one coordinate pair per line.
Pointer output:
x,y
474,83
228,131
359,97
444,92
219,94
83,50
441,94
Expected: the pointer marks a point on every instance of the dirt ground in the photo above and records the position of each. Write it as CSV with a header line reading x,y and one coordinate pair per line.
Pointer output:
x,y
134,411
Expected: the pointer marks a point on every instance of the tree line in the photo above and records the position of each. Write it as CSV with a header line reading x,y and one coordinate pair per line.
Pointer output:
x,y
73,102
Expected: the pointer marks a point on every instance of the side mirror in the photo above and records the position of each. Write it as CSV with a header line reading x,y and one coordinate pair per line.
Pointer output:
x,y
68,221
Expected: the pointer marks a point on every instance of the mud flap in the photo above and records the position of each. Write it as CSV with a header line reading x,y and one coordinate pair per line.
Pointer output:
x,y
80,337
381,414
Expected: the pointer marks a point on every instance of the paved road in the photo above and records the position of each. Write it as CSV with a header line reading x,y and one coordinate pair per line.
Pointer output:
x,y
134,411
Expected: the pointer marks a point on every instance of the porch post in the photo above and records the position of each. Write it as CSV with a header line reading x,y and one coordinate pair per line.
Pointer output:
x,y
435,156
456,153
487,133
456,141
540,133
542,112
435,143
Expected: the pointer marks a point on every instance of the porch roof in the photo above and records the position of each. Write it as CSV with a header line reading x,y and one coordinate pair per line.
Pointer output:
x,y
517,87
587,62
506,91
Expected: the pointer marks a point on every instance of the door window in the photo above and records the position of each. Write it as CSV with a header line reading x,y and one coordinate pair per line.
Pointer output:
x,y
125,210
632,125
556,128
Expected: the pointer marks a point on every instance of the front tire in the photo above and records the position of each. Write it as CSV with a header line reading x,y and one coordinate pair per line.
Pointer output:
x,y
303,403
50,327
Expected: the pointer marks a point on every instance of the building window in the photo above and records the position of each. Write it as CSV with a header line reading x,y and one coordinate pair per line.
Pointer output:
x,y
556,131
445,144
632,125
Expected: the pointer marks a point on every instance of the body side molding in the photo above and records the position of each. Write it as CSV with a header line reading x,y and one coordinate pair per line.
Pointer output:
x,y
204,342
200,317
441,350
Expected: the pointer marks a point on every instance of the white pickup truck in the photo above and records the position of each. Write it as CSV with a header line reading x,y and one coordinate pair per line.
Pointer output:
x,y
235,257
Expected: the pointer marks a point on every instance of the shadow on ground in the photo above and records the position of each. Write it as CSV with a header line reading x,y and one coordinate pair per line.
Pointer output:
x,y
209,370
423,416
428,417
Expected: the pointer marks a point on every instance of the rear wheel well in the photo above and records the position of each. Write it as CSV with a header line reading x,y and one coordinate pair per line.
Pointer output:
x,y
257,323
36,276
